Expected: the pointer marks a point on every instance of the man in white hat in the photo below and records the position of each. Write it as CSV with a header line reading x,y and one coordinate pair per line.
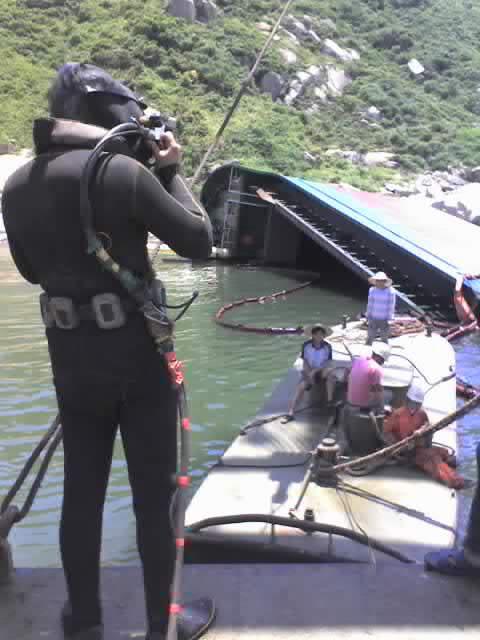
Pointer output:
x,y
380,307
435,460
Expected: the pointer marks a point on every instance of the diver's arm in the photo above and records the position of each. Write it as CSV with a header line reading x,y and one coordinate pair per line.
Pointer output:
x,y
21,262
16,251
175,217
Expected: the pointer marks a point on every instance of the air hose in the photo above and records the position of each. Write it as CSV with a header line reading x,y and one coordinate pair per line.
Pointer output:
x,y
303,525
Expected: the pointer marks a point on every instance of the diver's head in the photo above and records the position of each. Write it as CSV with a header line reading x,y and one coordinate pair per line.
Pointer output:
x,y
89,94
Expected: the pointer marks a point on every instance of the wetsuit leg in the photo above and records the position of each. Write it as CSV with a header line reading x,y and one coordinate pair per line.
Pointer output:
x,y
472,539
148,428
89,420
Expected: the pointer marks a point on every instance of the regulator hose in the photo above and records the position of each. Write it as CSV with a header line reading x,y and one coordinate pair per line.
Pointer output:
x,y
303,525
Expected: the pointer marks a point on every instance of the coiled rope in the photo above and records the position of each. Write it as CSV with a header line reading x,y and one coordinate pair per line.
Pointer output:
x,y
237,326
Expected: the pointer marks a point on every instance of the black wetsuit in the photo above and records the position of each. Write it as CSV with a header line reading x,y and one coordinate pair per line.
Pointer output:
x,y
106,378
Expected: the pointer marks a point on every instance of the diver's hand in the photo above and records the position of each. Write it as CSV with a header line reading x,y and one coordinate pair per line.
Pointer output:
x,y
167,152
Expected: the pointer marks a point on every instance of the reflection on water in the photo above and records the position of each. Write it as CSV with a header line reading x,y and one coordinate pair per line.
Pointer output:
x,y
229,376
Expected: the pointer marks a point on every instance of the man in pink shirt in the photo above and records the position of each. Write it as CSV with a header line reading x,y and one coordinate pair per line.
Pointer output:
x,y
365,389
365,396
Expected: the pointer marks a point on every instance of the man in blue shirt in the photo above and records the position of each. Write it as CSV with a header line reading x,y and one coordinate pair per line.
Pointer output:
x,y
316,354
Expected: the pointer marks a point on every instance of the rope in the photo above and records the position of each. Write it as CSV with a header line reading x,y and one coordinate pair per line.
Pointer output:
x,y
390,451
51,438
236,326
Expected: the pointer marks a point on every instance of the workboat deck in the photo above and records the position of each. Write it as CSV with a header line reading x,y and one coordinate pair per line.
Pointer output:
x,y
262,472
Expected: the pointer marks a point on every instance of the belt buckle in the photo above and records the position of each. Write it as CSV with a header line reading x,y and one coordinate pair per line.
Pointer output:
x,y
108,311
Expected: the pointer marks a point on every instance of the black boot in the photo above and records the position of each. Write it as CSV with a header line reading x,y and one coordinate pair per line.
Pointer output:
x,y
196,618
69,631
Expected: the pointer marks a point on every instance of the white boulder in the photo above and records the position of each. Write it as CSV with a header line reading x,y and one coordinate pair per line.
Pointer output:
x,y
263,26
337,81
331,48
373,113
416,67
288,56
380,159
312,35
291,35
321,94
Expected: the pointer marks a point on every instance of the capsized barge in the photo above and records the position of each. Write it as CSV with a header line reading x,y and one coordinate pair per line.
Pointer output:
x,y
422,249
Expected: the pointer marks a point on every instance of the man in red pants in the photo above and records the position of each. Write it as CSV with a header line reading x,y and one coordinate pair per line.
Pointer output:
x,y
436,461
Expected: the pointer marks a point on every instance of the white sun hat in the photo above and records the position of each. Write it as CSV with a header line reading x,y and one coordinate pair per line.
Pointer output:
x,y
381,349
416,393
380,277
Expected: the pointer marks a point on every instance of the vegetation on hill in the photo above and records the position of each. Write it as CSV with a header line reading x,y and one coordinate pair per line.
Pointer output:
x,y
192,72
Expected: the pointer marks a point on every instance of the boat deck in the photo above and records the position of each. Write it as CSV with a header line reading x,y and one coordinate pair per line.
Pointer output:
x,y
262,471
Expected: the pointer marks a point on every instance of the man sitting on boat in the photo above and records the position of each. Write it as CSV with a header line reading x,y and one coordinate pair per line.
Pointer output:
x,y
317,364
380,307
365,398
436,461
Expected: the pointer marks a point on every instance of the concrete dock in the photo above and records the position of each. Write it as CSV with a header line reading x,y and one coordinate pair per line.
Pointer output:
x,y
267,602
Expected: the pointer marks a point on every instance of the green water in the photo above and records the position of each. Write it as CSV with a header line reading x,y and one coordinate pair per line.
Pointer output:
x,y
229,376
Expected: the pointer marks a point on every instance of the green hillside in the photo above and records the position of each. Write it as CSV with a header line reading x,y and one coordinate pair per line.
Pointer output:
x,y
192,72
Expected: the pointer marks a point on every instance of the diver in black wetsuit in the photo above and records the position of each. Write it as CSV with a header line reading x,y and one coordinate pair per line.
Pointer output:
x,y
105,378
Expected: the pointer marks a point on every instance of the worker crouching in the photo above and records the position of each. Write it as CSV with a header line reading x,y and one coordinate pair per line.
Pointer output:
x,y
434,460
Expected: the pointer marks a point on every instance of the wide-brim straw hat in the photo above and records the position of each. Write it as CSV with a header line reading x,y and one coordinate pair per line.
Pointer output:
x,y
307,329
380,277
